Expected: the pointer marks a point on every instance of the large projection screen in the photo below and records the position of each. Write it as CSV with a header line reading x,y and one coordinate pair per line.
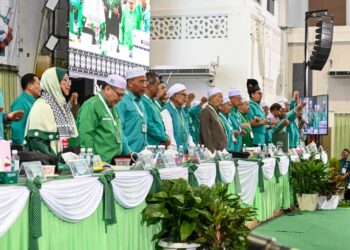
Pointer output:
x,y
108,36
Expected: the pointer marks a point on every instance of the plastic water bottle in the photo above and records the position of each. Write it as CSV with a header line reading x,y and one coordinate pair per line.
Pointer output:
x,y
160,155
89,158
82,153
244,149
180,156
15,161
265,151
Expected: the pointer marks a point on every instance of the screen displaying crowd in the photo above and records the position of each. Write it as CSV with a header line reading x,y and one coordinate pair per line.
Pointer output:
x,y
114,28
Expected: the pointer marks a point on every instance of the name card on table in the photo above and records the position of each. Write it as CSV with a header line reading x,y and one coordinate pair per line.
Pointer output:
x,y
34,169
79,168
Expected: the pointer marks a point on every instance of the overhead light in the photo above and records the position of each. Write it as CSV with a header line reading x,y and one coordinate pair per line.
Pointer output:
x,y
51,43
51,4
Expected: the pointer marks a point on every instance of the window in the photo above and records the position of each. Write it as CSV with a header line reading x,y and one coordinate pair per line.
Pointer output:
x,y
271,6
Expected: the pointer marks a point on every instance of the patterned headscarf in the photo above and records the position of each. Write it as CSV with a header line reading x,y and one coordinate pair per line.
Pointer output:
x,y
52,93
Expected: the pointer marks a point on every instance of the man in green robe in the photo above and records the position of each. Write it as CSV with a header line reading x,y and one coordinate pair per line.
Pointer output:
x,y
131,20
6,118
132,112
99,124
243,108
145,13
317,119
155,128
256,115
31,91
76,17
224,115
194,118
236,97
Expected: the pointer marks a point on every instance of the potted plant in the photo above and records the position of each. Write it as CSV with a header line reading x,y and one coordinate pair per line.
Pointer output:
x,y
334,187
222,219
208,216
175,208
308,179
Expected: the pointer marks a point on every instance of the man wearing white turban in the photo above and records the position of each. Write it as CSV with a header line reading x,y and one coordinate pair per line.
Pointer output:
x,y
174,118
98,122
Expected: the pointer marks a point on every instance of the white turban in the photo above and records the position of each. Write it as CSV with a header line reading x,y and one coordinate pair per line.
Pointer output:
x,y
284,100
225,99
234,92
213,91
176,88
283,105
135,72
244,99
116,81
263,104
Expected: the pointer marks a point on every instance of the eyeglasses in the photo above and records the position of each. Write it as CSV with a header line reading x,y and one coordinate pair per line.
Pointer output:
x,y
116,92
67,80
144,82
185,95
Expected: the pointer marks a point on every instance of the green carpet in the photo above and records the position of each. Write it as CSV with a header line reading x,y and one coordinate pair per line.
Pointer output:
x,y
319,230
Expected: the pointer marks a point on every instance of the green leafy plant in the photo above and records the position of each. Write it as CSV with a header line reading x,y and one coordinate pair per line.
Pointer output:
x,y
334,180
308,176
209,216
175,209
344,203
222,219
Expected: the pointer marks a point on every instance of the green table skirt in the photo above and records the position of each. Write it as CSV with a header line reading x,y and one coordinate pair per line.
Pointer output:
x,y
276,196
89,234
128,233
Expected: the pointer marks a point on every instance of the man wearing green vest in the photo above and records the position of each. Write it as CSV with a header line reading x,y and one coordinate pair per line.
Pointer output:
x,y
256,115
131,20
278,124
235,97
99,124
132,112
6,118
31,91
225,110
194,116
293,129
247,138
155,128
211,129
174,118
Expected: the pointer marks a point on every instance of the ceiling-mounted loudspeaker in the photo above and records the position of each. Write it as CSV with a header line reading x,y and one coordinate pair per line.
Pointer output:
x,y
323,43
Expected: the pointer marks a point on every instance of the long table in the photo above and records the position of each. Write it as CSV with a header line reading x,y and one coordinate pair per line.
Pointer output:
x,y
72,209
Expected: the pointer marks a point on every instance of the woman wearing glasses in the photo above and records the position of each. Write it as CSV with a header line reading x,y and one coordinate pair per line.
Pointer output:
x,y
51,127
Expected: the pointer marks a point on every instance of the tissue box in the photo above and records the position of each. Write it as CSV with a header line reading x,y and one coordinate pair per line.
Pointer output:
x,y
8,177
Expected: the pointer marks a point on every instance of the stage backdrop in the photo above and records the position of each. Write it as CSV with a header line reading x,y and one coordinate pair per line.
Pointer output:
x,y
8,32
108,36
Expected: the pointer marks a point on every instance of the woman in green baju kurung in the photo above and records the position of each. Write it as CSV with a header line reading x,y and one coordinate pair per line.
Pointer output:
x,y
51,126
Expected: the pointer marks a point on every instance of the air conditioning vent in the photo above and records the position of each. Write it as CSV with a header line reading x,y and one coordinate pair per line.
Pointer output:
x,y
339,73
185,71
